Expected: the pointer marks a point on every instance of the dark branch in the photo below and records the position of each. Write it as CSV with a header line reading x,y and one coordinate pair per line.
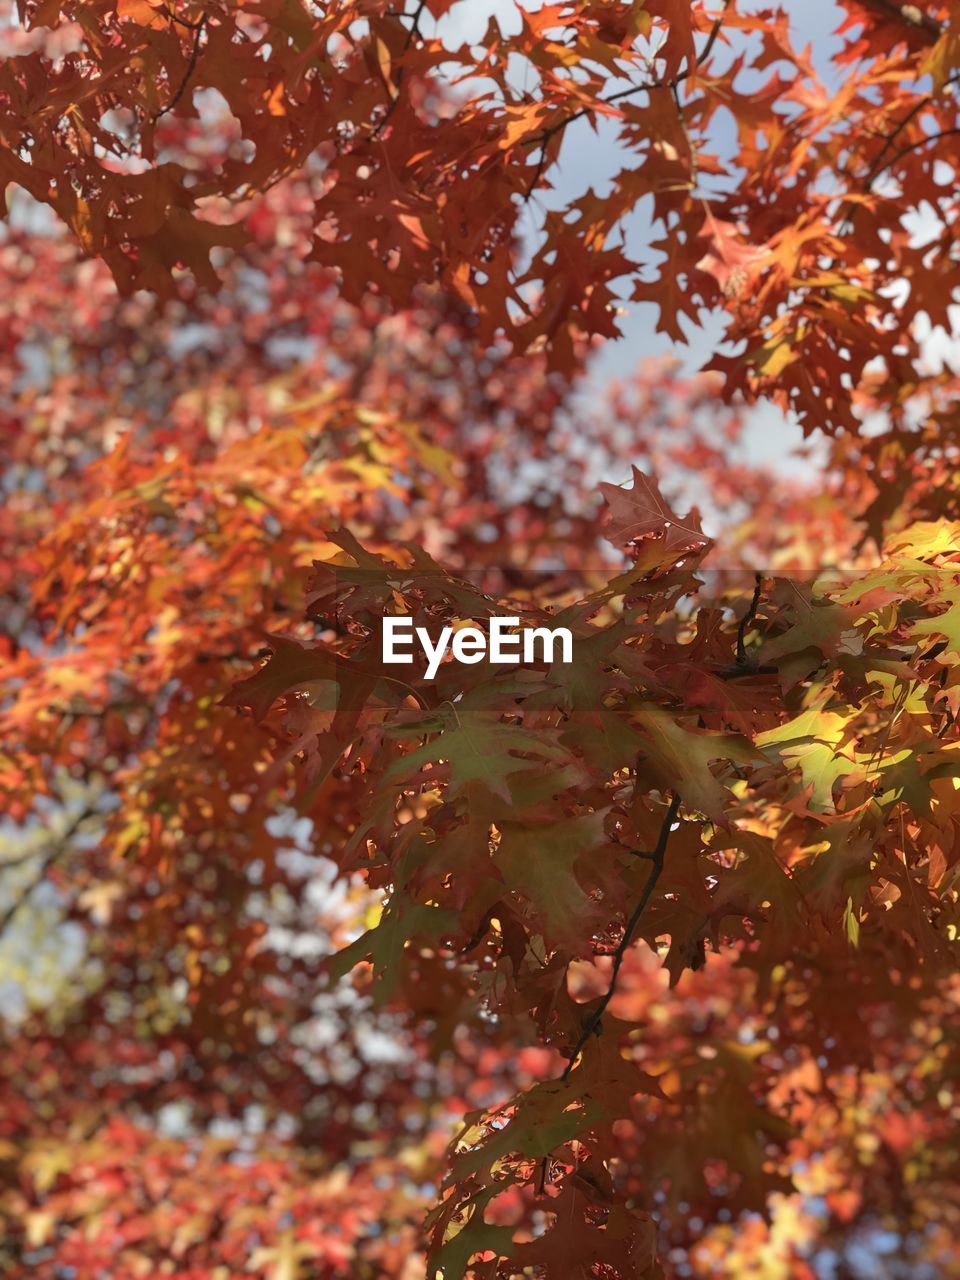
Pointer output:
x,y
411,35
921,142
174,102
59,847
880,164
185,22
949,720
891,137
657,856
415,27
745,621
546,135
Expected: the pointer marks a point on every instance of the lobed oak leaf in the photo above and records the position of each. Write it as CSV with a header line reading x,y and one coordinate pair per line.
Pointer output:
x,y
733,264
670,290
542,1121
946,624
477,748
540,863
840,864
642,512
291,666
384,945
817,744
625,1237
680,758
942,60
462,1245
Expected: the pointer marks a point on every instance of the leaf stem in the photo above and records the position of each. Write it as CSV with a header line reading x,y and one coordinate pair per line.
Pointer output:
x,y
657,857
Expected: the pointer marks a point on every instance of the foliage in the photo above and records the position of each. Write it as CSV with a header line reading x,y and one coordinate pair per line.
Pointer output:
x,y
665,938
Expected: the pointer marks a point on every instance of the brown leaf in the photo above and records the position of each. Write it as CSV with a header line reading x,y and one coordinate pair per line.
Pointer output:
x,y
642,512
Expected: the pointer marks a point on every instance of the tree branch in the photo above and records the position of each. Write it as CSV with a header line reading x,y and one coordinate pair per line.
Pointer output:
x,y
199,29
185,22
413,32
656,856
891,137
921,142
881,164
745,621
415,25
543,138
47,862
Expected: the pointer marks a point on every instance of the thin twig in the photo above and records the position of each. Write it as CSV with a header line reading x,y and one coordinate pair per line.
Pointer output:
x,y
891,137
414,31
880,164
745,621
7,918
415,26
188,74
546,135
58,849
921,142
657,857
185,22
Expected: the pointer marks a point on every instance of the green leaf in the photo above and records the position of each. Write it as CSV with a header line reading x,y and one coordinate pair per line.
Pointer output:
x,y
540,864
946,625
810,742
477,748
384,945
681,758
476,1236
851,924
544,1119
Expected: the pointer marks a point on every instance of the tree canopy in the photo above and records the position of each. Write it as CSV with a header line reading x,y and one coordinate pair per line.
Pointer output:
x,y
642,965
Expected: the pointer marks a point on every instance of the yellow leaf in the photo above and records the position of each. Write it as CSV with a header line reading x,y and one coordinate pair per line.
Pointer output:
x,y
775,358
942,60
286,1258
39,1226
385,64
639,21
851,924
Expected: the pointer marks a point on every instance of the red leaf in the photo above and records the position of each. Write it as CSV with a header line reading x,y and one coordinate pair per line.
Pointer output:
x,y
642,512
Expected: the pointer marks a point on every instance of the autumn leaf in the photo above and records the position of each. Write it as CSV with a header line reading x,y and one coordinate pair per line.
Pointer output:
x,y
733,264
682,758
541,865
641,512
311,320
476,749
